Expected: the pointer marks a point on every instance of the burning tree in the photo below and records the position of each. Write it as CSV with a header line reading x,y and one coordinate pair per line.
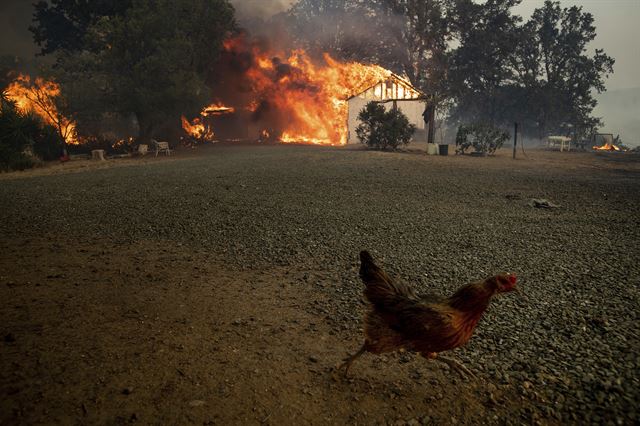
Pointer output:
x,y
151,60
42,97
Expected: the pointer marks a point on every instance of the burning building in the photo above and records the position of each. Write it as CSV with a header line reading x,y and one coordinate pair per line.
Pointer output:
x,y
287,96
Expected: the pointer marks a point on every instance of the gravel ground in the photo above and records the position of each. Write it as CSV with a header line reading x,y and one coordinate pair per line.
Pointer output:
x,y
569,347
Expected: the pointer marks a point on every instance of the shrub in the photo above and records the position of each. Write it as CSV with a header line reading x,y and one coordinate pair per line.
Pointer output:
x,y
22,135
382,129
482,137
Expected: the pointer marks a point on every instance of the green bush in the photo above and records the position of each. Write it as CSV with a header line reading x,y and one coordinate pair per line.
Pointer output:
x,y
382,129
22,133
482,137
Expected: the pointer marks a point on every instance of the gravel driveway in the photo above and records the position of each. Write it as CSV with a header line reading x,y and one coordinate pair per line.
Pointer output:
x,y
569,347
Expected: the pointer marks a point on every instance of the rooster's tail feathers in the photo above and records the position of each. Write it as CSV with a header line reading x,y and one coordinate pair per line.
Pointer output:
x,y
380,290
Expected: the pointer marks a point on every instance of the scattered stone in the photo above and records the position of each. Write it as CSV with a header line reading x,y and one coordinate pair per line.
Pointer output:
x,y
541,203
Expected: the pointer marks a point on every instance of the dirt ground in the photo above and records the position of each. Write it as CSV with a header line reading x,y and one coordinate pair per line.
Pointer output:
x,y
103,329
108,333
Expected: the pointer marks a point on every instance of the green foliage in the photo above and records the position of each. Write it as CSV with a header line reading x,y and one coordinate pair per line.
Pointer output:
x,y
482,137
62,24
540,73
151,61
22,133
382,129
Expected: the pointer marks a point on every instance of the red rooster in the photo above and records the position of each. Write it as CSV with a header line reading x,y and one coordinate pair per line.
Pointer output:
x,y
398,319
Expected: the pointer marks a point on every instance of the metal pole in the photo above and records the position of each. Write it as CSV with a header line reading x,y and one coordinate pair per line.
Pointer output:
x,y
515,138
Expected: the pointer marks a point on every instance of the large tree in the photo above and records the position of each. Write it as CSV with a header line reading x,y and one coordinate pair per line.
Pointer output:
x,y
152,61
557,68
541,73
481,75
62,24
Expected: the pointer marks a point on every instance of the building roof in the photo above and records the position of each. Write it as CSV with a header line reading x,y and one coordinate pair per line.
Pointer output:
x,y
393,87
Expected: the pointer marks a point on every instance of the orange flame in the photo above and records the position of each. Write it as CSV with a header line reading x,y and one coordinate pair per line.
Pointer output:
x,y
197,129
310,97
39,96
217,109
607,147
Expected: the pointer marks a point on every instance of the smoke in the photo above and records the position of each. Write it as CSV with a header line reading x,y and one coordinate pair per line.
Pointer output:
x,y
250,11
15,38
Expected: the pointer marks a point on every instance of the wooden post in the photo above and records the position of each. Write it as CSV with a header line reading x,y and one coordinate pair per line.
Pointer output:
x,y
432,118
97,154
515,138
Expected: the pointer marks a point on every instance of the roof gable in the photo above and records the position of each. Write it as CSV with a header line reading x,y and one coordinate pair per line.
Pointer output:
x,y
392,88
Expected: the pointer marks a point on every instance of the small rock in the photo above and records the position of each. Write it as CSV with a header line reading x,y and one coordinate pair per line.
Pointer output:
x,y
313,358
127,391
196,403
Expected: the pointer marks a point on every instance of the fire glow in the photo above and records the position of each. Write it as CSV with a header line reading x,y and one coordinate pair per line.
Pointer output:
x,y
290,96
39,97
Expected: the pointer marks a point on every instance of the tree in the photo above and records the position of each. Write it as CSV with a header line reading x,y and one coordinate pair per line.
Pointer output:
x,y
554,63
22,132
382,129
63,24
409,37
152,61
481,74
484,138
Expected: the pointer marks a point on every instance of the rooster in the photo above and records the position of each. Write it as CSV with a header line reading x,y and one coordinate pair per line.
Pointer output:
x,y
399,319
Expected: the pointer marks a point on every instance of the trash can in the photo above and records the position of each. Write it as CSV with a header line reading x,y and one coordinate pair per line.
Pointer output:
x,y
432,149
443,149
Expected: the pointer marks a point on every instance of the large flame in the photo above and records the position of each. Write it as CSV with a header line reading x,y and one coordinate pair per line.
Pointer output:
x,y
39,96
309,98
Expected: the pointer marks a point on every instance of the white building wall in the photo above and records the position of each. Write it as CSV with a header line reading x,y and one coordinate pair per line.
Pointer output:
x,y
412,108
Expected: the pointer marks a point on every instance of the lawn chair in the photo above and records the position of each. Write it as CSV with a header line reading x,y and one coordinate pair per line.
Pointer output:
x,y
161,147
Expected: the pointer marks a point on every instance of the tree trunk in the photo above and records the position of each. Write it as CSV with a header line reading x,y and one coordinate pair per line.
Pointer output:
x,y
146,127
432,126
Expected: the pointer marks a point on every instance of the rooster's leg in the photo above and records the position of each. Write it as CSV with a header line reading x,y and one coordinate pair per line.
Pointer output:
x,y
348,361
456,366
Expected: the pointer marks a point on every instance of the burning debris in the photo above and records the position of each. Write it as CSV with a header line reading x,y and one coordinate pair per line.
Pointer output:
x,y
607,143
201,131
198,130
217,109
